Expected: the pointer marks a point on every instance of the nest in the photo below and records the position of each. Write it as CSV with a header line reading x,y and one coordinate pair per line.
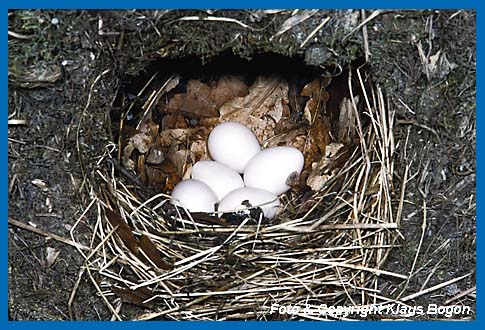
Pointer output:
x,y
182,266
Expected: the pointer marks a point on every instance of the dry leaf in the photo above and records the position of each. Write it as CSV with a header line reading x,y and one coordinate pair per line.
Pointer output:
x,y
124,231
347,125
140,297
288,136
155,156
174,120
228,88
318,98
126,160
323,170
151,252
320,133
149,127
167,166
188,172
313,114
51,256
40,184
198,150
201,100
181,136
316,89
317,182
261,109
156,177
311,88
140,167
196,101
180,158
35,76
172,181
264,94
141,141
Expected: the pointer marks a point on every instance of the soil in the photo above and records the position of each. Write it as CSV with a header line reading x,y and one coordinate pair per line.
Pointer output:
x,y
65,68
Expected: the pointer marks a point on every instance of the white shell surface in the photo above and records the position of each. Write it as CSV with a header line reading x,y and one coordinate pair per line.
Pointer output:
x,y
268,201
270,168
194,195
233,144
219,177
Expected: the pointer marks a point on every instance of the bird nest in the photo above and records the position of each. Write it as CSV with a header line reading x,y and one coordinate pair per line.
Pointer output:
x,y
325,251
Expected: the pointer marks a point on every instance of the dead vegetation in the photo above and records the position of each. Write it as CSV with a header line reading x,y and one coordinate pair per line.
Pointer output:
x,y
430,198
329,244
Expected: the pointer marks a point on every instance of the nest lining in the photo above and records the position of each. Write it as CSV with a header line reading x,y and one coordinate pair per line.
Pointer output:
x,y
175,265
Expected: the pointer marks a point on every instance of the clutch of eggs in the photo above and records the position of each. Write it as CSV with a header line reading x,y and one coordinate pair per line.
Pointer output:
x,y
235,149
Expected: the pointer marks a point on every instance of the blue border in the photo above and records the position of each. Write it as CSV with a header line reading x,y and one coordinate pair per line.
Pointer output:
x,y
90,4
4,167
149,4
479,154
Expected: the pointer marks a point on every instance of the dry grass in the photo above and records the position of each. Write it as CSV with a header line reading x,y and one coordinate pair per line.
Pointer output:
x,y
333,254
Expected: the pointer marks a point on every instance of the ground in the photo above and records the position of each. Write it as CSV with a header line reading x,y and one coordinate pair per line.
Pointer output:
x,y
64,71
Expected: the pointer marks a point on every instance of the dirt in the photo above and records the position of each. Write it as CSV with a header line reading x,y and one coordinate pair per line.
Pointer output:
x,y
64,71
441,146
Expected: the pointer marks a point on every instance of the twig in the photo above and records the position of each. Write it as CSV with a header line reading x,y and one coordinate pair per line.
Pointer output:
x,y
103,296
18,35
130,176
215,19
294,21
374,14
22,225
461,294
374,271
402,196
418,249
433,288
74,291
455,14
365,37
318,28
15,122
406,106
169,84
341,226
431,273
413,122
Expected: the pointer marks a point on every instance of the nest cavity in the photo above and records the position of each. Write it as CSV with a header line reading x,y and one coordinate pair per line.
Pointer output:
x,y
327,247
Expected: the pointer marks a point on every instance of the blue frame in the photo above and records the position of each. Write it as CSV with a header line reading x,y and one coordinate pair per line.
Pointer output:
x,y
147,4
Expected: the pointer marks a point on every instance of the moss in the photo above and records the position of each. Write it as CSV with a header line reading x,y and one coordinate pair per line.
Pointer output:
x,y
133,39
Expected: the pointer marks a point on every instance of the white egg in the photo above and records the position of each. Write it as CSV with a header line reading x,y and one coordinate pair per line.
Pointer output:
x,y
194,195
271,168
233,201
219,177
233,144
